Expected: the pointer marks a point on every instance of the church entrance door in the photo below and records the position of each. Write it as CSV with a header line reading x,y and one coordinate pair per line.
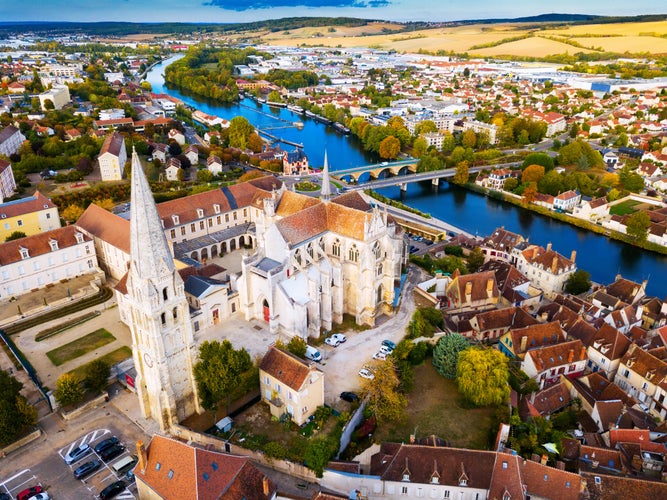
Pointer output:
x,y
267,312
216,316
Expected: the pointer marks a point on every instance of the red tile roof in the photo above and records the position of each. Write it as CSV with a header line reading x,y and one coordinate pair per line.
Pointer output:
x,y
39,244
286,367
107,226
34,203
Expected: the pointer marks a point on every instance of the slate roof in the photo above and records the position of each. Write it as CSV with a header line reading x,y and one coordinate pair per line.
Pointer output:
x,y
199,286
7,132
107,226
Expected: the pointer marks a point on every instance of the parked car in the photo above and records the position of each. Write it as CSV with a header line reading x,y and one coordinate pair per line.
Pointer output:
x,y
41,496
313,354
77,454
29,492
339,337
331,341
130,475
385,350
5,496
112,490
348,396
112,452
87,468
380,355
366,373
388,343
106,443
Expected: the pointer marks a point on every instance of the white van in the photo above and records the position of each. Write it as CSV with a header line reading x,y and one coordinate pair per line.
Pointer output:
x,y
313,354
124,464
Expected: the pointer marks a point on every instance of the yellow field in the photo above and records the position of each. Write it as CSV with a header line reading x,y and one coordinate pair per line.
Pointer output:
x,y
534,47
622,44
623,29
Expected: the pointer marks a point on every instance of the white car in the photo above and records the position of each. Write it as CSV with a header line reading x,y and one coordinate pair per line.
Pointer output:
x,y
77,454
339,337
386,350
41,496
332,341
380,355
366,373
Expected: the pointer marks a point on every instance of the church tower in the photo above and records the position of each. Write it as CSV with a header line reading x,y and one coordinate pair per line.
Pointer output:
x,y
163,344
325,192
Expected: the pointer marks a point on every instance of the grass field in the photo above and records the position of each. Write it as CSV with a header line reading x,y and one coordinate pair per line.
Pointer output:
x,y
111,359
625,208
81,346
433,408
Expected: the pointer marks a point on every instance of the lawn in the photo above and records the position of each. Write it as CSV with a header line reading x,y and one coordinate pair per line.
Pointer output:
x,y
81,346
625,208
434,409
111,359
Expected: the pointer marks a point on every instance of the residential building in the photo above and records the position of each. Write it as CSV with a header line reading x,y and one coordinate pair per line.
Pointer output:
x,y
473,292
11,139
111,114
295,163
160,152
192,154
546,364
605,353
565,202
112,158
214,165
640,373
32,215
42,259
547,269
434,139
497,178
290,385
58,95
210,295
518,341
7,182
177,136
490,130
173,170
499,244
515,288
171,469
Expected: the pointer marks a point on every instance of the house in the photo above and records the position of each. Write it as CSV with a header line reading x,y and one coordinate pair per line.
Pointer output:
x,y
594,387
295,163
112,158
499,244
547,269
605,353
640,373
472,292
31,215
591,209
42,259
624,319
626,291
497,178
209,294
546,364
192,154
515,288
214,165
7,182
172,469
173,170
491,325
543,403
611,159
11,139
565,202
160,152
177,136
518,341
290,385
16,88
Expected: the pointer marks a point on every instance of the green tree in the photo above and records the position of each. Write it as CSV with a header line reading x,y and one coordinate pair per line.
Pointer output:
x,y
255,142
448,142
389,147
551,183
382,392
446,354
97,375
462,173
68,390
16,235
469,139
297,346
239,131
539,159
426,126
637,225
419,147
221,372
630,180
482,376
15,412
204,175
318,453
578,282
475,259
510,184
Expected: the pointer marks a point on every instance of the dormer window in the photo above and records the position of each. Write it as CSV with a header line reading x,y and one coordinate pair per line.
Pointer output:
x,y
25,254
200,212
175,220
54,245
406,476
216,208
79,237
630,362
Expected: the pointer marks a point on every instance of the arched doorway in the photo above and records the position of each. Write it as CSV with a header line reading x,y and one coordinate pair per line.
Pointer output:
x,y
195,255
379,297
223,248
232,245
204,254
214,251
266,310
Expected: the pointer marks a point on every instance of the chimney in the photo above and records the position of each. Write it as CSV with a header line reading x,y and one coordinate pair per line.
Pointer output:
x,y
544,460
549,247
143,457
573,256
489,287
468,290
524,343
583,352
412,439
266,486
535,252
570,356
554,265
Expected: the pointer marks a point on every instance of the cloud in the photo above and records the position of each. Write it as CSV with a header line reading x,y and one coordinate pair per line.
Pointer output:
x,y
269,4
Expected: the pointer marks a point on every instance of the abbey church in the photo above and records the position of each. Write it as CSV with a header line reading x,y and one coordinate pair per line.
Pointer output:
x,y
307,263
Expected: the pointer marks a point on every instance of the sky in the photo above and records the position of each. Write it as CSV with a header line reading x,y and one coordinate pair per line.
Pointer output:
x,y
255,10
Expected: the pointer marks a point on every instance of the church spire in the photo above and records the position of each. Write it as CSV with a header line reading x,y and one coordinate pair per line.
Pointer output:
x,y
149,250
325,192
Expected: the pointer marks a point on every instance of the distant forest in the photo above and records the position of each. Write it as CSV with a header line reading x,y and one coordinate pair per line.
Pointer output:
x,y
290,23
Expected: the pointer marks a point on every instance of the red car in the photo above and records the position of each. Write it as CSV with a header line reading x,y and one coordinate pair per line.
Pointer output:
x,y
30,492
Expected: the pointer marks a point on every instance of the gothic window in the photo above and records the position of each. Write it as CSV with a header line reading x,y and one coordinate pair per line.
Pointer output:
x,y
163,319
335,248
379,269
297,256
165,296
377,250
310,250
175,313
353,254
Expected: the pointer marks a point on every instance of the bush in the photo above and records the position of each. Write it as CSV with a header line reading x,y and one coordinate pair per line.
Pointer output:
x,y
68,390
419,353
97,375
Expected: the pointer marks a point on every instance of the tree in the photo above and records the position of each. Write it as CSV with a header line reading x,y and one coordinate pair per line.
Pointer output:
x,y
239,130
68,390
530,193
448,142
204,175
510,184
482,376
426,126
630,180
578,282
318,453
15,412
16,235
469,139
538,159
637,225
462,173
532,173
446,354
475,259
255,142
220,372
390,147
97,375
419,147
384,398
297,346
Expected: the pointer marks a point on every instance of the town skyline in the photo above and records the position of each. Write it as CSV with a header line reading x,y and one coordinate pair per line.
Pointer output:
x,y
254,10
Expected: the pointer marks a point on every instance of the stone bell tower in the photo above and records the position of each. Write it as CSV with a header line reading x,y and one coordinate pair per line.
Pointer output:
x,y
163,344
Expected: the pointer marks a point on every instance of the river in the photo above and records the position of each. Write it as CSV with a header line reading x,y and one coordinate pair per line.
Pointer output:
x,y
475,213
